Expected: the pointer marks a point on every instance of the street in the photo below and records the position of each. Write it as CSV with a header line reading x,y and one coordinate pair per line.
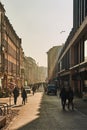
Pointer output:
x,y
43,112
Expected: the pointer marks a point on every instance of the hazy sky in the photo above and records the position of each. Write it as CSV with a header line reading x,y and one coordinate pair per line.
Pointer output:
x,y
39,23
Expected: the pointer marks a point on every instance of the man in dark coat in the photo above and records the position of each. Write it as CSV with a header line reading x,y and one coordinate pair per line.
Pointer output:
x,y
63,97
70,98
16,94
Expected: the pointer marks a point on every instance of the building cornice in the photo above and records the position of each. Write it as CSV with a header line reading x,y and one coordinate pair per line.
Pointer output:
x,y
2,7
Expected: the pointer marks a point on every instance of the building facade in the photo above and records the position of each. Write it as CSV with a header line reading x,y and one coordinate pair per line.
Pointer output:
x,y
42,74
33,73
79,12
52,56
10,45
72,62
21,67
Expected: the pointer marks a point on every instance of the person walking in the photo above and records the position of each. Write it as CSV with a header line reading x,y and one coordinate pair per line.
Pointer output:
x,y
24,96
33,89
70,98
63,97
16,94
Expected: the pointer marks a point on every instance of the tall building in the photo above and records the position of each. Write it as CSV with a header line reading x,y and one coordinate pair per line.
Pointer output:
x,y
10,45
79,12
72,62
52,57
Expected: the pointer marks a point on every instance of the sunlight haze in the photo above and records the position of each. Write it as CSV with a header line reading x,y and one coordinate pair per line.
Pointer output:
x,y
39,23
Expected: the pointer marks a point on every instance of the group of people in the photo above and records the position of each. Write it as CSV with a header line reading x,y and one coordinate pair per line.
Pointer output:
x,y
67,95
16,94
23,94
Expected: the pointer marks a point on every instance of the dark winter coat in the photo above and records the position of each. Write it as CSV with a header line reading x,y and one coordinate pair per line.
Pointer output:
x,y
70,94
63,93
24,94
16,92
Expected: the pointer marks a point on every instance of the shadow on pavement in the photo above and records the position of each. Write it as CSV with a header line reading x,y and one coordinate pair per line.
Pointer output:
x,y
43,116
47,117
17,106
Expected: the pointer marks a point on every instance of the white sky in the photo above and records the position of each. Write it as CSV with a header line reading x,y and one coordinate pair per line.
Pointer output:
x,y
39,23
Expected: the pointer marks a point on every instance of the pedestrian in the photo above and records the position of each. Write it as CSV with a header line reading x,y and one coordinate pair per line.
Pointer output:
x,y
33,89
24,96
16,94
70,98
63,97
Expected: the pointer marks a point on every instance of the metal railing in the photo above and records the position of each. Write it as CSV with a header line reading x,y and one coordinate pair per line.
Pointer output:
x,y
3,108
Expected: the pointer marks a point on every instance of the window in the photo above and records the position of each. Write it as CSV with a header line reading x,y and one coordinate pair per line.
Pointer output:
x,y
85,50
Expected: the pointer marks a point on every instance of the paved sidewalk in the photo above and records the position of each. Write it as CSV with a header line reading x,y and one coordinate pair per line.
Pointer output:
x,y
8,100
31,116
14,109
81,105
28,112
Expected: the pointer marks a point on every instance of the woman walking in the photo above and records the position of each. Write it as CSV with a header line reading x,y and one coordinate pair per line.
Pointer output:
x,y
24,96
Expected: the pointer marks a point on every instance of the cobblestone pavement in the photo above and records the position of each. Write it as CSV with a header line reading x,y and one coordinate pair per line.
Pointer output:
x,y
43,112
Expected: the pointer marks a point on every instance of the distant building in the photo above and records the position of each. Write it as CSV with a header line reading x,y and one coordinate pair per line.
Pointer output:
x,y
33,73
21,67
52,56
42,73
33,70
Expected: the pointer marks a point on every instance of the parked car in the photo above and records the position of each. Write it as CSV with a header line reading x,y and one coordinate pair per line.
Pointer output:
x,y
51,89
27,89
